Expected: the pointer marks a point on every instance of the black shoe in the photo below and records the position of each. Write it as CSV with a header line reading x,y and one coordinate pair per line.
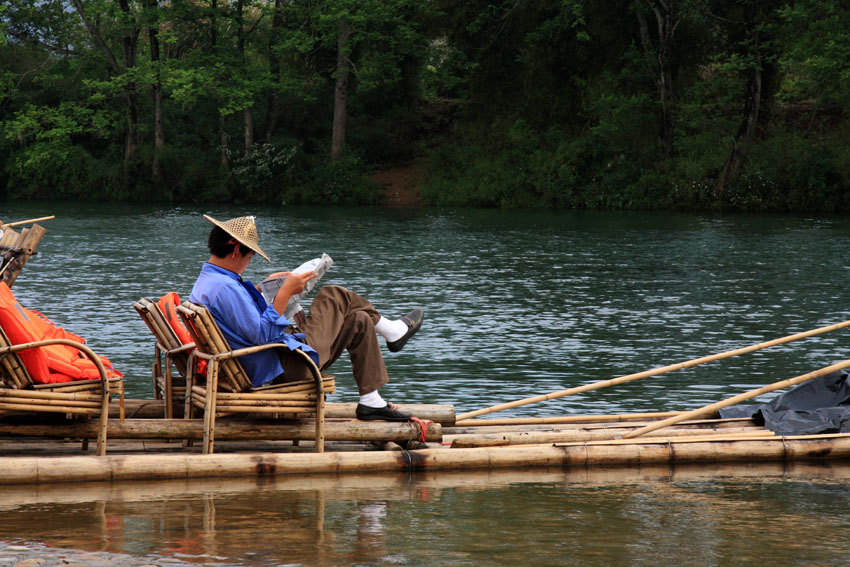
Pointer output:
x,y
389,412
414,321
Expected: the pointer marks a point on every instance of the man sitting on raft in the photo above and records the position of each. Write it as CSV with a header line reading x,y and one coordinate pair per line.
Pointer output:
x,y
339,320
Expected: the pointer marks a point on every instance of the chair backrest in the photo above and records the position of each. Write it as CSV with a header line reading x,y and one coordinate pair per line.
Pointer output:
x,y
13,373
162,329
210,340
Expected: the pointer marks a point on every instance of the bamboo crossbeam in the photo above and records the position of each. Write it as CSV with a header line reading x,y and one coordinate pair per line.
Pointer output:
x,y
93,385
328,385
301,430
84,410
262,403
47,395
711,408
259,398
653,372
292,395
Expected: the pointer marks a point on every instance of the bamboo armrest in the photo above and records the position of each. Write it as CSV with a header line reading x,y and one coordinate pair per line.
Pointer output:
x,y
185,348
242,351
232,354
104,381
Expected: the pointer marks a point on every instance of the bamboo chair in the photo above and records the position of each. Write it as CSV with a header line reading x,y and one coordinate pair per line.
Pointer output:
x,y
228,389
168,347
82,398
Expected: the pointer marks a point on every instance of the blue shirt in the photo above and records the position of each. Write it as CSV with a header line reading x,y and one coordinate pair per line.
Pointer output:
x,y
246,320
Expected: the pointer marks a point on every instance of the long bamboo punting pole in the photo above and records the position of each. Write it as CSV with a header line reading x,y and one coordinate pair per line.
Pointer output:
x,y
695,424
602,418
28,221
736,399
571,436
654,372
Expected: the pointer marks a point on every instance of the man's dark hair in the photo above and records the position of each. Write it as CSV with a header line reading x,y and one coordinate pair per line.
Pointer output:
x,y
221,244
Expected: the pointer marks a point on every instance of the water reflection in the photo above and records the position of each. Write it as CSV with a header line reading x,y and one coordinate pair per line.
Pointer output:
x,y
652,515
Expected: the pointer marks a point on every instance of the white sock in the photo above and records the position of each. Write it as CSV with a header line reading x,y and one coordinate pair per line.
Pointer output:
x,y
391,330
372,400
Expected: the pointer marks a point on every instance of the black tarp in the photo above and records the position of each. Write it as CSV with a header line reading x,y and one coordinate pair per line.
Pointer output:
x,y
821,405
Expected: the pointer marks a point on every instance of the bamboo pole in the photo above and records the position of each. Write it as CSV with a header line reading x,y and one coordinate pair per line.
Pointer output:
x,y
654,372
301,410
48,395
570,436
260,399
82,410
738,398
565,419
29,221
51,470
237,430
696,425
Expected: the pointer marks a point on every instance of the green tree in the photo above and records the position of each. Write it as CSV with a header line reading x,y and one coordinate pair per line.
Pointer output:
x,y
752,54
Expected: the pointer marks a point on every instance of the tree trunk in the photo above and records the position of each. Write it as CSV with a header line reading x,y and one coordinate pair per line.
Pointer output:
x,y
129,43
752,103
249,131
225,163
222,132
158,132
248,121
659,59
273,101
340,93
129,40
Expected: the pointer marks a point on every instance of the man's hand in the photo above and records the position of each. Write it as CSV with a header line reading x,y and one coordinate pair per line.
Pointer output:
x,y
300,319
294,283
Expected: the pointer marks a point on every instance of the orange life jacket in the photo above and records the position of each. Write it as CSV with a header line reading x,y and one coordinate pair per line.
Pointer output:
x,y
48,364
168,304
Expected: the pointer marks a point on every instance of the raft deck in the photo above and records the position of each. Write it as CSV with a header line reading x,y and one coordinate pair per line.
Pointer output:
x,y
147,447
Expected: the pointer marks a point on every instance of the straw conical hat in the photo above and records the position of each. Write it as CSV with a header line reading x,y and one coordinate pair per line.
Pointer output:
x,y
242,229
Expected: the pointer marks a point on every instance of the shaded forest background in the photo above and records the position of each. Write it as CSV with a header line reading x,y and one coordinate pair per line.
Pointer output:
x,y
622,104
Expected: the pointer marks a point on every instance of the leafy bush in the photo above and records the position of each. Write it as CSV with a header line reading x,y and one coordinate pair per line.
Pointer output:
x,y
341,182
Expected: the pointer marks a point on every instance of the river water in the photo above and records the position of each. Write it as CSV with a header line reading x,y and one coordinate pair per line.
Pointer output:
x,y
518,303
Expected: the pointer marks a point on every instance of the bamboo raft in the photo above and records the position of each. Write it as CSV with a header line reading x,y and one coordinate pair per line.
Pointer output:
x,y
151,442
140,446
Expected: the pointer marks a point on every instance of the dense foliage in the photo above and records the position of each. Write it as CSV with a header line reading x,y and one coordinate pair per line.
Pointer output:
x,y
722,104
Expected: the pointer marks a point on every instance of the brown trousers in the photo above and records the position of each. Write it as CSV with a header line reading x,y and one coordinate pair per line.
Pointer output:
x,y
341,320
